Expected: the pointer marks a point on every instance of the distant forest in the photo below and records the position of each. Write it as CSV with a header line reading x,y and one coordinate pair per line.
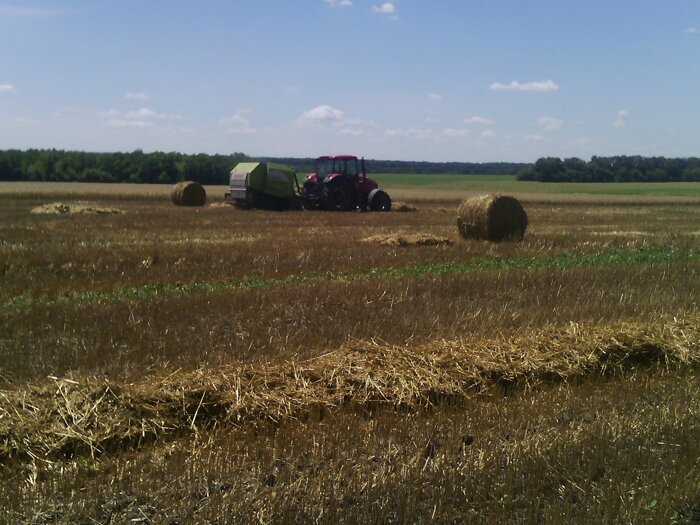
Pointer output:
x,y
306,165
137,166
613,169
167,168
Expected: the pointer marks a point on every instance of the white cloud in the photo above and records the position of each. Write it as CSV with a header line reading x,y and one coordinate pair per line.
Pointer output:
x,y
140,118
333,120
545,85
7,88
388,8
409,133
322,113
534,138
476,119
145,113
112,113
449,133
434,96
137,96
341,3
141,113
691,31
238,123
488,134
357,122
121,123
236,119
353,132
427,133
550,123
621,119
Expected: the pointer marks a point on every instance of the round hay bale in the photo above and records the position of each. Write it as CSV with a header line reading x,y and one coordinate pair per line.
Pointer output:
x,y
188,193
492,217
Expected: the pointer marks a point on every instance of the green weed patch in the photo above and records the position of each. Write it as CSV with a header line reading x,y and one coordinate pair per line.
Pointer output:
x,y
646,255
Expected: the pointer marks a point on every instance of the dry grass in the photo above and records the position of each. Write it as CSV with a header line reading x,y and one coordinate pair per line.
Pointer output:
x,y
428,397
62,208
408,239
66,416
95,189
292,322
41,255
402,207
612,449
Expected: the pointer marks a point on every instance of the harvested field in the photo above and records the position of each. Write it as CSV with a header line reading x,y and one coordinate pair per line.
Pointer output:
x,y
305,367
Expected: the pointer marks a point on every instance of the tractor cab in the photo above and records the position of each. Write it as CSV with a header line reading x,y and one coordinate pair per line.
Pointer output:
x,y
344,165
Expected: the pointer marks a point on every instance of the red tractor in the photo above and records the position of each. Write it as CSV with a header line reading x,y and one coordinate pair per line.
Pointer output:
x,y
340,183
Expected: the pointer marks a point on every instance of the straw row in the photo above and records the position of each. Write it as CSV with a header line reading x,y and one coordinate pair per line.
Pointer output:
x,y
61,417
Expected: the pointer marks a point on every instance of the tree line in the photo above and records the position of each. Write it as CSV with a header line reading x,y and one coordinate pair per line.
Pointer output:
x,y
306,165
136,167
167,168
613,169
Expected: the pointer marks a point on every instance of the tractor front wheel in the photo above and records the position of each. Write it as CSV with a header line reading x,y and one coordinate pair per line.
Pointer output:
x,y
339,195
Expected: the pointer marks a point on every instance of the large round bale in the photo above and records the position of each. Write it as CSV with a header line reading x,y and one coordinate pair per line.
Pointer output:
x,y
492,217
189,193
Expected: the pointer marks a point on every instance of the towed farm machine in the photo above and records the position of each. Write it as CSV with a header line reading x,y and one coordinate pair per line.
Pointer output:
x,y
263,185
339,183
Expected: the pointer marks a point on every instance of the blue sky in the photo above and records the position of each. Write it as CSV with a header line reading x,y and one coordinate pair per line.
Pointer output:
x,y
450,80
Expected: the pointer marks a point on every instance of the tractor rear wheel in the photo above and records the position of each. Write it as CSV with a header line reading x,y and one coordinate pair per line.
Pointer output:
x,y
339,195
379,200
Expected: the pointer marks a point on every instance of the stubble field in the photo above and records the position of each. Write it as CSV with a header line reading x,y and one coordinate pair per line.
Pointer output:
x,y
214,365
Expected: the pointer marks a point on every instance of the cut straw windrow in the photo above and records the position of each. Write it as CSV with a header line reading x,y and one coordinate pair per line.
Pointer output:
x,y
61,417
